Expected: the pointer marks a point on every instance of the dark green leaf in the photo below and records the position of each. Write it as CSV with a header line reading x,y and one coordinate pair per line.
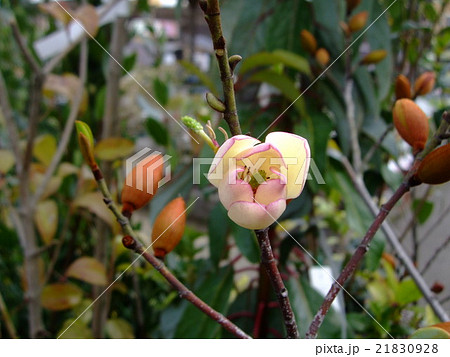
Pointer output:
x,y
129,61
423,210
218,225
161,91
157,131
215,291
374,254
246,241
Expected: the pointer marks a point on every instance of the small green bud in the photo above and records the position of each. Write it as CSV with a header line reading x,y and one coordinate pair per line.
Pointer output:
x,y
86,142
215,103
192,124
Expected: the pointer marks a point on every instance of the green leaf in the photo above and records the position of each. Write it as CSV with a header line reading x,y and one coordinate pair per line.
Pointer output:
x,y
161,91
157,131
73,328
44,148
246,242
46,219
407,292
374,254
286,58
218,225
431,333
305,302
129,61
215,291
284,84
426,208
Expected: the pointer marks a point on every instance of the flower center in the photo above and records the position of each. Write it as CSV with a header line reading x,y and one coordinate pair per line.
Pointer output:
x,y
253,179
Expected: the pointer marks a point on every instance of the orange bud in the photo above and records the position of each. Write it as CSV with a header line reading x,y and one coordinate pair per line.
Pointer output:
x,y
308,41
169,227
138,191
322,56
358,21
411,123
402,87
374,57
425,83
435,167
351,4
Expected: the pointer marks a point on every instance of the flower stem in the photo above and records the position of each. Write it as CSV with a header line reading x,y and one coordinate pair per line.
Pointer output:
x,y
211,9
269,262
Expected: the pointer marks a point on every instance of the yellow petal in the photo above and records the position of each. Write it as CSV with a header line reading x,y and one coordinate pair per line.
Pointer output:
x,y
254,215
296,154
229,149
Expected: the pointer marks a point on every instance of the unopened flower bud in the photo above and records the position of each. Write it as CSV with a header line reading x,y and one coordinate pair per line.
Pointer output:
x,y
358,21
374,57
322,56
141,184
424,84
411,123
215,103
169,227
86,142
402,87
435,167
308,41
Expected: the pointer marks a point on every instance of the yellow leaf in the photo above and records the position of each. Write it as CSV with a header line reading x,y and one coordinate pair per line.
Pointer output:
x,y
75,329
61,296
93,202
7,161
89,270
113,148
66,85
44,148
119,328
37,178
87,15
66,169
46,220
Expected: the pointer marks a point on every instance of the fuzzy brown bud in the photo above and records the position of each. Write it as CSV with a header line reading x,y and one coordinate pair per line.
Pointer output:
x,y
402,87
322,56
435,167
169,227
424,84
141,183
308,41
411,123
358,21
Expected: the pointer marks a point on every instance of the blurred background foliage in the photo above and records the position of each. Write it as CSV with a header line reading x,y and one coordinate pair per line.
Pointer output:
x,y
166,51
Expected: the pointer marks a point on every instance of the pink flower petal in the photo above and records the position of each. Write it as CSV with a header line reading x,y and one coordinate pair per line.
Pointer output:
x,y
252,215
234,189
270,191
229,149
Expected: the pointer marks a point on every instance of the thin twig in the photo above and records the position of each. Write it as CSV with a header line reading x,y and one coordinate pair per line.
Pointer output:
x,y
270,264
376,145
381,215
435,255
36,68
131,242
211,9
68,128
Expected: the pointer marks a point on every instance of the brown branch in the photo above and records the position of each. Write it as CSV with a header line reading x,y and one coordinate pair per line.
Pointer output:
x,y
211,9
132,243
362,249
8,322
270,264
